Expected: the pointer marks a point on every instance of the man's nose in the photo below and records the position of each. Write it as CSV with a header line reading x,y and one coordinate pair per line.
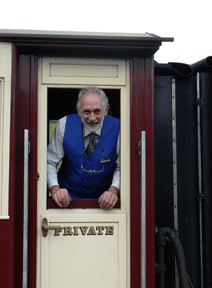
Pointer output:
x,y
92,116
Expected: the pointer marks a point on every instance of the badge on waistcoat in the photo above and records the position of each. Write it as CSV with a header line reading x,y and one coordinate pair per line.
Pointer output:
x,y
105,160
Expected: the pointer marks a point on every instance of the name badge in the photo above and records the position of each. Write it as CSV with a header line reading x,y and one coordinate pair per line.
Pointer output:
x,y
105,160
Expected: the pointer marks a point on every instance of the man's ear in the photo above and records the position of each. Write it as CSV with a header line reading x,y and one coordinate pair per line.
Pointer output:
x,y
107,109
78,111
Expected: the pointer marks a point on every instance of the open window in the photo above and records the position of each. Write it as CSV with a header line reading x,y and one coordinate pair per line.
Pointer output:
x,y
61,102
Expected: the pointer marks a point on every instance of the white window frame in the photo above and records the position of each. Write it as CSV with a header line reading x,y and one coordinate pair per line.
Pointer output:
x,y
5,99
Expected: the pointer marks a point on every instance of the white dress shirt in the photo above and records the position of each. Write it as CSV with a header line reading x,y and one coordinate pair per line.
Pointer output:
x,y
55,153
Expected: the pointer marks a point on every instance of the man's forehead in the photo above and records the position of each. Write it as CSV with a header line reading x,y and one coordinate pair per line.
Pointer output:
x,y
91,98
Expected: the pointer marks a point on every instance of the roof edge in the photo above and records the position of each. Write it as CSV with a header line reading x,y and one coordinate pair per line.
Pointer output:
x,y
16,33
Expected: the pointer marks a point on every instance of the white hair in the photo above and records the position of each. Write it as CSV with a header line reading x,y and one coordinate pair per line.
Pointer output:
x,y
96,90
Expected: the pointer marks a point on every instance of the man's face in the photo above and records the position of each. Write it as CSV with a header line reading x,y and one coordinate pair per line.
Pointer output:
x,y
92,113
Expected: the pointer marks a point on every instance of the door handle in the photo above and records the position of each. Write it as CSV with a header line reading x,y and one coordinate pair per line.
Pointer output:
x,y
45,228
143,208
25,208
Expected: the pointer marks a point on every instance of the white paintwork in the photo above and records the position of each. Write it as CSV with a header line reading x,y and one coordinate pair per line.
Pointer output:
x,y
83,71
5,99
89,260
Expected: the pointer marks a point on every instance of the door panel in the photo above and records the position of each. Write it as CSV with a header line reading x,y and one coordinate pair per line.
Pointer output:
x,y
88,256
87,251
83,71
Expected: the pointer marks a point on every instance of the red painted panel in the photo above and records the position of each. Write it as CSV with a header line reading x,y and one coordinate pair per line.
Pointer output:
x,y
135,180
142,119
150,197
25,116
33,172
78,203
7,226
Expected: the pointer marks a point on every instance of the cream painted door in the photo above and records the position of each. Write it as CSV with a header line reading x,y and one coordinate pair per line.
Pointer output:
x,y
85,247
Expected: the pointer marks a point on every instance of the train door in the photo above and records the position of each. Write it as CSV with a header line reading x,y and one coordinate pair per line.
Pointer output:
x,y
82,245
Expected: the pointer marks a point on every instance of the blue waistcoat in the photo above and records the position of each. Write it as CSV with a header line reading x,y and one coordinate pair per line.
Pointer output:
x,y
72,176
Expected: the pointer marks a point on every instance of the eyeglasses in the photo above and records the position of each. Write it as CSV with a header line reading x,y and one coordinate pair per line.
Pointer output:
x,y
90,171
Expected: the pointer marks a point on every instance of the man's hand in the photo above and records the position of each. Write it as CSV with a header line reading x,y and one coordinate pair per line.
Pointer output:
x,y
109,198
60,196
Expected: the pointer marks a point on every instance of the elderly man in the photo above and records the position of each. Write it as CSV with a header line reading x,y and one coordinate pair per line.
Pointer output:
x,y
88,143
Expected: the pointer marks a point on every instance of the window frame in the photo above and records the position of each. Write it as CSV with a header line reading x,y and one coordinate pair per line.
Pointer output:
x,y
5,101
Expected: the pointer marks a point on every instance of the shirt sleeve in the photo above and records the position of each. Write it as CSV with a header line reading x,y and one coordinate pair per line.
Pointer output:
x,y
116,173
55,152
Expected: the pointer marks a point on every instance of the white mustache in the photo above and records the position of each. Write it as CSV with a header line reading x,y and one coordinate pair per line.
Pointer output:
x,y
92,122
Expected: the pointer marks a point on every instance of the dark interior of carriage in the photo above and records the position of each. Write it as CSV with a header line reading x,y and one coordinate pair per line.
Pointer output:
x,y
61,102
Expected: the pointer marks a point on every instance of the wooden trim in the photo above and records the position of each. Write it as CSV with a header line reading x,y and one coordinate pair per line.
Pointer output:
x,y
12,176
142,118
23,116
29,35
87,45
97,39
135,182
7,239
75,204
150,197
33,172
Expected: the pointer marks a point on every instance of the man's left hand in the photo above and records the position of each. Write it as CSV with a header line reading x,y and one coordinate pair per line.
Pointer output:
x,y
109,198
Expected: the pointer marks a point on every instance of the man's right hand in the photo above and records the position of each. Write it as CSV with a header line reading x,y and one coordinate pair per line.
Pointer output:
x,y
60,196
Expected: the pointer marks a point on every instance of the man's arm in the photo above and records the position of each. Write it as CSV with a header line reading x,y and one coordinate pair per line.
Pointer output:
x,y
109,198
55,153
116,173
